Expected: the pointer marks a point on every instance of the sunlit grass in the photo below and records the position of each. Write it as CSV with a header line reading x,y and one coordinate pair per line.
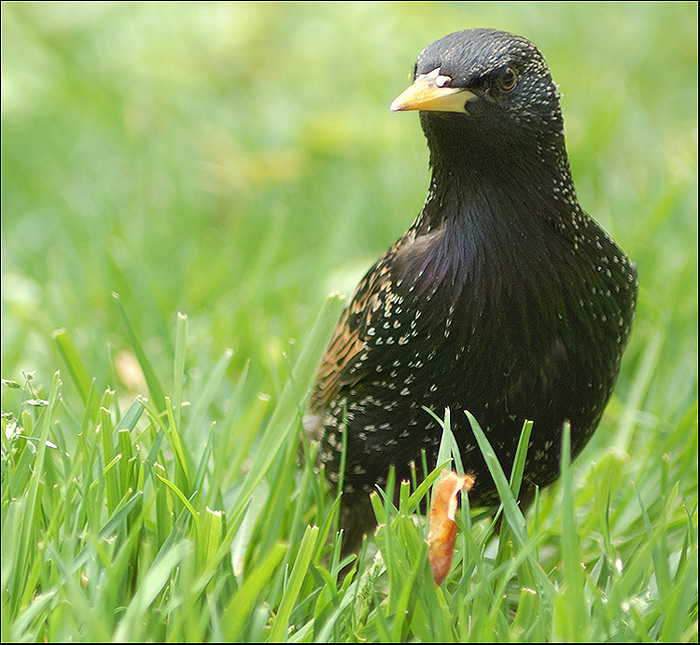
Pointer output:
x,y
237,162
113,528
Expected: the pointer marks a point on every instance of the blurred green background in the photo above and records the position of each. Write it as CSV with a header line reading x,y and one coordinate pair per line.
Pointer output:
x,y
238,161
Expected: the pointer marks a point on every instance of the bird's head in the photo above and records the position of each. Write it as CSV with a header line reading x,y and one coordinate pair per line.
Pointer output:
x,y
484,95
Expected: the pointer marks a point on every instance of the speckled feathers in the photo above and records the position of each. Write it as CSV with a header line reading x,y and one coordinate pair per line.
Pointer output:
x,y
503,298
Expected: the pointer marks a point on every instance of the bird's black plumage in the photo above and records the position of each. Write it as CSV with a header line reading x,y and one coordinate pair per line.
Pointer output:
x,y
503,298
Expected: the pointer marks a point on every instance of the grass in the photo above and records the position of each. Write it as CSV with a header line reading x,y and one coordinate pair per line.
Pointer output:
x,y
236,162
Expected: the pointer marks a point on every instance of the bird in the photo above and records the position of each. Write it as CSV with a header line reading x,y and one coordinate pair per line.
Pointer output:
x,y
503,298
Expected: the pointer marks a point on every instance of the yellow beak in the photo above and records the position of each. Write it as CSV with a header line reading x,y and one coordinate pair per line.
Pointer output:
x,y
428,93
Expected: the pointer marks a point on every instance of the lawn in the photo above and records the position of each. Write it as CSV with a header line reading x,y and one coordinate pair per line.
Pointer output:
x,y
183,184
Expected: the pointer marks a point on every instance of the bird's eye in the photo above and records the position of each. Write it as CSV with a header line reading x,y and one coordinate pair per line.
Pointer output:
x,y
508,79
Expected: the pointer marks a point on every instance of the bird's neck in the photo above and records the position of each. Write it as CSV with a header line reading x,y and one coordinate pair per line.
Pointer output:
x,y
509,195
494,223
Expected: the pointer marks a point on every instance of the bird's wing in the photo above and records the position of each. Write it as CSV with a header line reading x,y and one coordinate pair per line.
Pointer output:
x,y
345,360
350,355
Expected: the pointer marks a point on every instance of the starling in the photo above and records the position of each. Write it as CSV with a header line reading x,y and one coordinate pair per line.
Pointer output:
x,y
503,298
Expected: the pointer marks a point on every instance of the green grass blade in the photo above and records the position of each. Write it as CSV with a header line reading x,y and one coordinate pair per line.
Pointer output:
x,y
130,626
449,449
291,593
515,518
76,368
571,611
29,526
179,365
516,476
240,544
210,388
239,608
183,499
131,416
287,412
152,381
